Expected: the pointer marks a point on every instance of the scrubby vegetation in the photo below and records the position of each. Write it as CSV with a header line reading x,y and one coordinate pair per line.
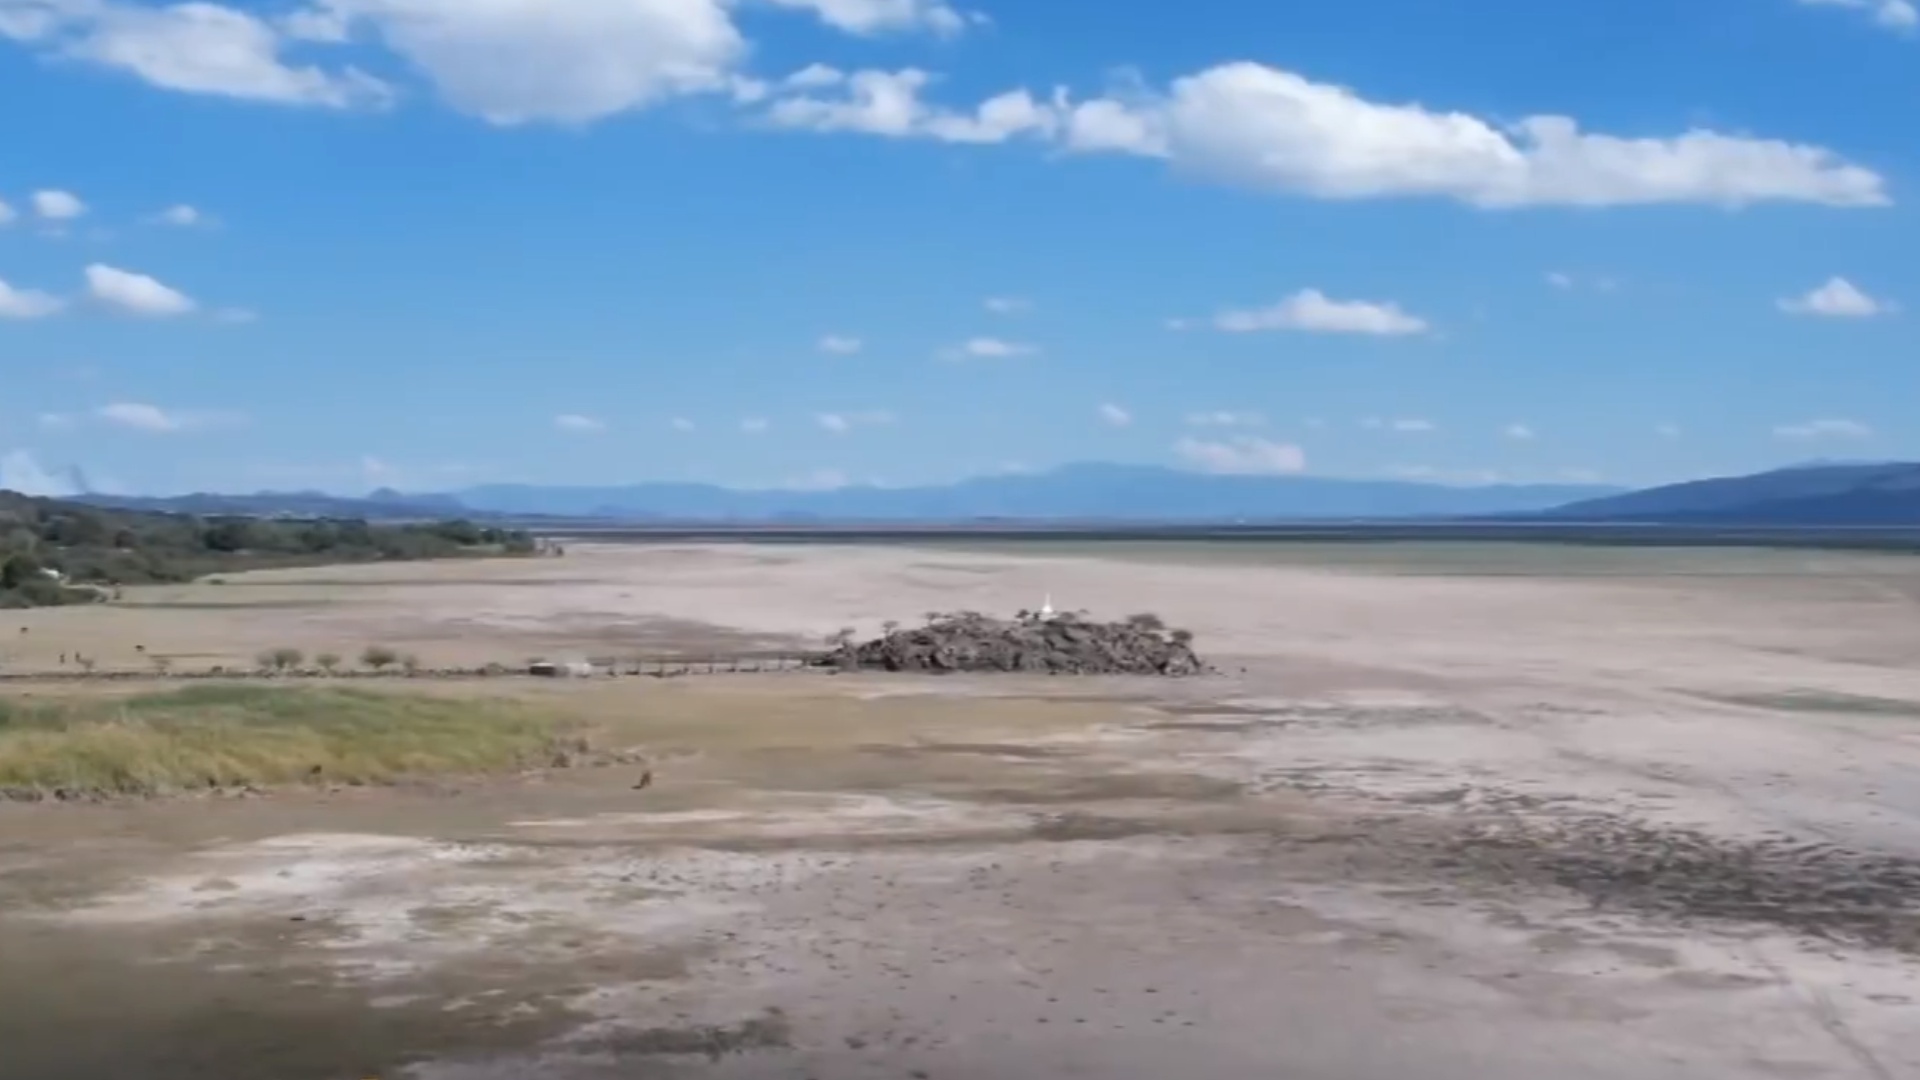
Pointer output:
x,y
227,736
57,552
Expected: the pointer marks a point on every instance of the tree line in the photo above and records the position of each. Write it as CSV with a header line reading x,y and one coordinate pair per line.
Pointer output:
x,y
55,551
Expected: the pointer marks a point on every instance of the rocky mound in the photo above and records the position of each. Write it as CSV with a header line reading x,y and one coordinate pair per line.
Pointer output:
x,y
1061,644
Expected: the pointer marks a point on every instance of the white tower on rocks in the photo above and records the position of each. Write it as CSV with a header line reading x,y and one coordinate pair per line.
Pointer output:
x,y
1046,607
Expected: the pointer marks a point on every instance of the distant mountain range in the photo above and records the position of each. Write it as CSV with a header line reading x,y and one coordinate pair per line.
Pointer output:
x,y
1877,493
1814,495
1075,492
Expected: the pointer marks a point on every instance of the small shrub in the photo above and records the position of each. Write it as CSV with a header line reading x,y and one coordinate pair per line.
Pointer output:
x,y
1147,620
410,664
281,659
328,661
1182,637
379,657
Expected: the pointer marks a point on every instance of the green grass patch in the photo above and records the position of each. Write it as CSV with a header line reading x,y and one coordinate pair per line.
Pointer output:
x,y
228,735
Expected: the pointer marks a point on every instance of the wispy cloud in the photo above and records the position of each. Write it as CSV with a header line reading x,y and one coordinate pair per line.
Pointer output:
x,y
140,416
990,348
1242,456
1898,15
754,425
1519,432
1832,428
1007,305
579,424
1115,415
1409,425
1432,474
1225,418
839,344
181,216
21,471
818,480
842,422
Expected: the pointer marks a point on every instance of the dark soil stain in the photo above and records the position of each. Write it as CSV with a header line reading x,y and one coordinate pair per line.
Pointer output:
x,y
1186,787
1014,751
1811,888
105,1007
768,1031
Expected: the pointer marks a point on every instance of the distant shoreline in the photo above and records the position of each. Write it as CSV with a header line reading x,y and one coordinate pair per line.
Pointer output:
x,y
1871,538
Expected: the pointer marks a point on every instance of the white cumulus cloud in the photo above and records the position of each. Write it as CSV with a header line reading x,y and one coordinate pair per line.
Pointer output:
x,y
1518,432
195,47
521,61
55,205
1262,127
17,303
1115,415
889,103
1244,456
135,294
1314,311
1838,298
867,17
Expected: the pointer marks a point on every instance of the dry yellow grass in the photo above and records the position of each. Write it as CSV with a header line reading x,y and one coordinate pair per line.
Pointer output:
x,y
229,735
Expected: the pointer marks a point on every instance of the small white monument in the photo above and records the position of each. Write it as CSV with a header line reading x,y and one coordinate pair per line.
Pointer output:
x,y
1046,607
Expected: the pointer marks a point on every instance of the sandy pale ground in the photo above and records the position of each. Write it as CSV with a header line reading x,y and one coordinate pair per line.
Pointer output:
x,y
1451,812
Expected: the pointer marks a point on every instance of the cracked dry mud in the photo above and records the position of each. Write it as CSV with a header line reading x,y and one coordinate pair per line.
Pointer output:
x,y
1435,827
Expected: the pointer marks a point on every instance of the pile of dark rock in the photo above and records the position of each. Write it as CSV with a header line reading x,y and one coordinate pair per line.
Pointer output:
x,y
1055,644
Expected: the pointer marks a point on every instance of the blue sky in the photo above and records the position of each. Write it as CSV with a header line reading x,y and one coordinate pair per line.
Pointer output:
x,y
340,244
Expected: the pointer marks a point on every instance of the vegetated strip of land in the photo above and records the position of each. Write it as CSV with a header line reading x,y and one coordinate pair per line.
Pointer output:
x,y
57,552
229,736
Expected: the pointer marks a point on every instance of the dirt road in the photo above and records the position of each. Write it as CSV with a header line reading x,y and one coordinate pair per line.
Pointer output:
x,y
1448,814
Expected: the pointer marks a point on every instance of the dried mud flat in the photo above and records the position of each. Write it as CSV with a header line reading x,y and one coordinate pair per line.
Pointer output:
x,y
1435,822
